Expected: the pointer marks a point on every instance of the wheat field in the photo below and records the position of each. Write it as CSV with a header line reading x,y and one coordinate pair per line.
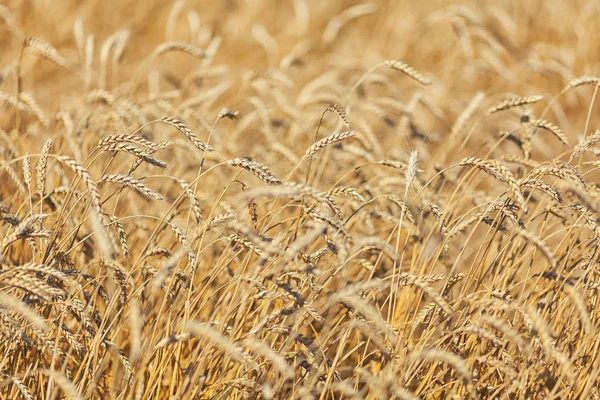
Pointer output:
x,y
261,199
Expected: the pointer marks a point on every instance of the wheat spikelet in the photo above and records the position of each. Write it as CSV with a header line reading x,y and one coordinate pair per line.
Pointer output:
x,y
542,186
45,50
540,123
132,183
394,164
88,61
183,128
252,240
405,210
347,191
341,113
227,112
108,141
123,359
257,169
196,209
328,141
411,170
583,80
182,238
513,102
121,234
27,170
563,171
42,167
218,220
408,70
582,147
500,172
22,388
136,151
120,276
180,46
158,251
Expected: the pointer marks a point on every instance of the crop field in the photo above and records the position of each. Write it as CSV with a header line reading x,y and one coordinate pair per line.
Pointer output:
x,y
300,199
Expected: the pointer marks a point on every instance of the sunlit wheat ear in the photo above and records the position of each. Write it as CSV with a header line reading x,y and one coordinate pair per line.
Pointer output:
x,y
347,191
542,186
183,128
260,171
195,204
408,70
45,50
179,46
227,112
581,81
133,183
148,145
328,141
500,172
341,113
588,142
514,102
27,170
42,167
556,131
141,154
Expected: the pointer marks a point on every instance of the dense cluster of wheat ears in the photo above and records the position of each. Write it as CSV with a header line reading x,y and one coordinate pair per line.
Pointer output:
x,y
299,199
